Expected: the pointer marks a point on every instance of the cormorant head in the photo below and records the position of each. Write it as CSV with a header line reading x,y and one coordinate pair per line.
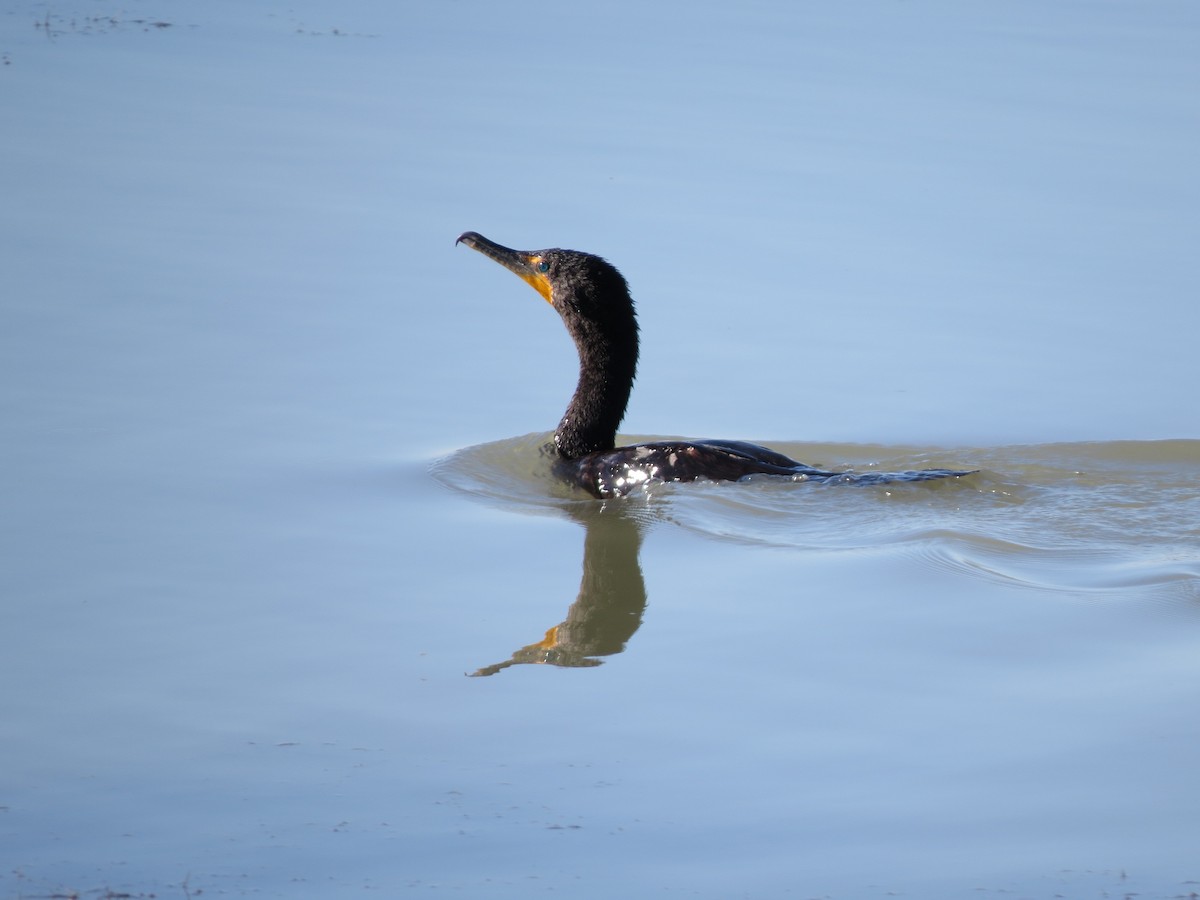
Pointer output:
x,y
588,292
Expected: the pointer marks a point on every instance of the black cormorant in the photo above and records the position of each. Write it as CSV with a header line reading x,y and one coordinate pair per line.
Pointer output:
x,y
593,299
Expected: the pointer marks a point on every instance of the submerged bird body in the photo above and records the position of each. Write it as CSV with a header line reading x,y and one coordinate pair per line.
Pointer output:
x,y
612,473
593,300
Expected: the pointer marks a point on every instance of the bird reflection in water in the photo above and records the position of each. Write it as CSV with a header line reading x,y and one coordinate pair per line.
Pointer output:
x,y
612,594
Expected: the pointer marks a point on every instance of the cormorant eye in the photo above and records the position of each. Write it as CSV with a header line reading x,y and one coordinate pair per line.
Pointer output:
x,y
543,266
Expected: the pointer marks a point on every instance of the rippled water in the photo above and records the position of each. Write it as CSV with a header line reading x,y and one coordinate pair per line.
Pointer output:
x,y
1080,517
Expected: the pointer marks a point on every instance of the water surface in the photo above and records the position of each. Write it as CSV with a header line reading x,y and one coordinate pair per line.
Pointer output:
x,y
272,489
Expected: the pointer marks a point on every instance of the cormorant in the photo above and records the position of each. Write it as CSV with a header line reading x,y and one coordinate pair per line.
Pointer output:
x,y
594,301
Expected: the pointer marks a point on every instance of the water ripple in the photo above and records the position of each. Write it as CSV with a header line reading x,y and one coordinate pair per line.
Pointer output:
x,y
1081,518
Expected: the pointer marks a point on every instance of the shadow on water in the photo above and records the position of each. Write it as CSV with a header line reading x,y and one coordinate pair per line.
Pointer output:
x,y
612,594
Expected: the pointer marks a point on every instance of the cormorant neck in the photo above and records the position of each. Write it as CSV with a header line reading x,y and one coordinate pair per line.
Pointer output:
x,y
594,413
607,366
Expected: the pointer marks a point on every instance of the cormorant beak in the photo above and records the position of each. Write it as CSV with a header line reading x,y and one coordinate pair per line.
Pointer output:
x,y
525,265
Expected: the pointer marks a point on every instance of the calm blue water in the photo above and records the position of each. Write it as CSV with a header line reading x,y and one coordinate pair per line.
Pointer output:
x,y
272,490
